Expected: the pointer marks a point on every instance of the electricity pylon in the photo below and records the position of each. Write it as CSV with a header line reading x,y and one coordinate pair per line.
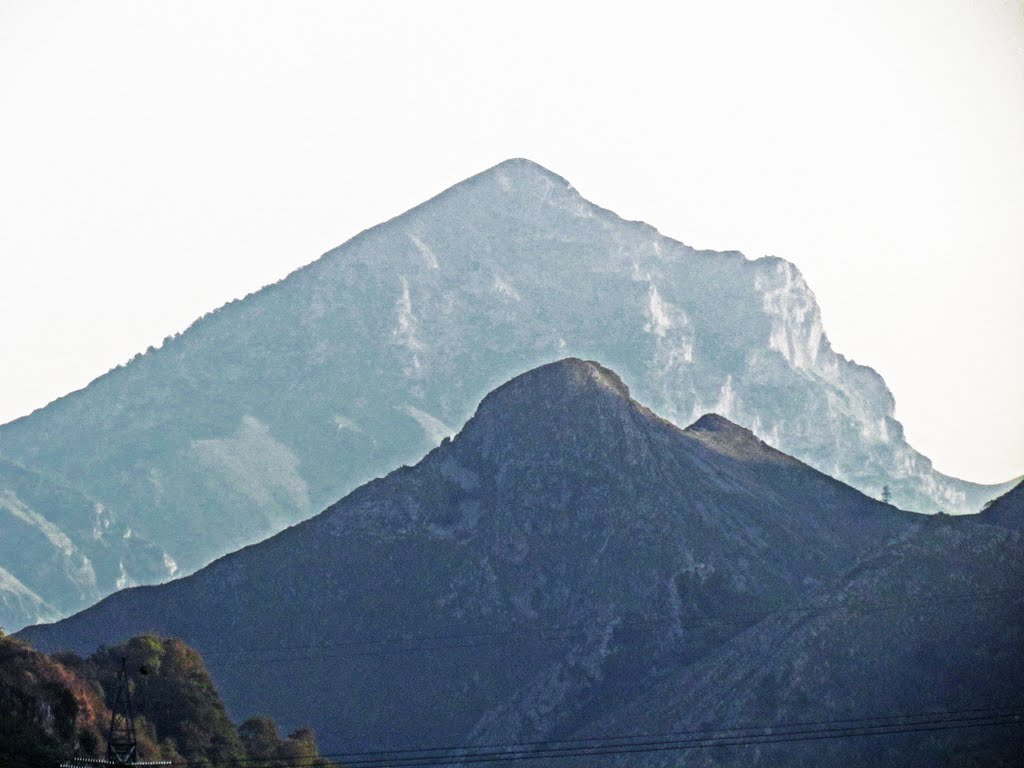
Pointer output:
x,y
122,747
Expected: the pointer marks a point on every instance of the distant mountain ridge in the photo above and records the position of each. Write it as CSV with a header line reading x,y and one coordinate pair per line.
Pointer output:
x,y
570,561
272,407
61,551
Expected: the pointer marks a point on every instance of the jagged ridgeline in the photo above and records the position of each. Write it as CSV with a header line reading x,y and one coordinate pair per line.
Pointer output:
x,y
572,566
269,409
56,707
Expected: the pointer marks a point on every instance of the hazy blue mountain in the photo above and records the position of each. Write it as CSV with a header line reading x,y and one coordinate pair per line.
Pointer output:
x,y
272,407
565,552
61,551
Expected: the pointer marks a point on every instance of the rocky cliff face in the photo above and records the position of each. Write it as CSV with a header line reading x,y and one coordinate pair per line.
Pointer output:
x,y
270,408
567,551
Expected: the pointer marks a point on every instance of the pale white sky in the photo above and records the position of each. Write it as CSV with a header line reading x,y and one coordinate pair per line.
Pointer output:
x,y
158,159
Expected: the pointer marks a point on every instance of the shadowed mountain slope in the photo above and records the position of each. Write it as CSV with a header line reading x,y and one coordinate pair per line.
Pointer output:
x,y
1007,510
530,578
923,635
272,407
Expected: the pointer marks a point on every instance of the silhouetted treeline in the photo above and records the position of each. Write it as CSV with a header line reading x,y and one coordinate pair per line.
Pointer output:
x,y
55,707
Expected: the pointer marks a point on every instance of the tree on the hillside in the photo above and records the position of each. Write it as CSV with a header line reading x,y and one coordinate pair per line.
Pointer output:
x,y
180,716
47,711
259,737
299,746
886,494
176,695
264,747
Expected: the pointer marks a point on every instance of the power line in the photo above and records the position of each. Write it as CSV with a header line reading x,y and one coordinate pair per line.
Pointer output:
x,y
709,743
660,742
735,731
432,757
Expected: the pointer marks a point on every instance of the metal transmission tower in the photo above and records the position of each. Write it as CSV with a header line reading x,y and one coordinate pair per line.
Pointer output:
x,y
122,748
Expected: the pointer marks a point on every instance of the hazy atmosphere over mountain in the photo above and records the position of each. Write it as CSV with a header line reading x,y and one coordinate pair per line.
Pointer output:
x,y
571,565
266,410
558,384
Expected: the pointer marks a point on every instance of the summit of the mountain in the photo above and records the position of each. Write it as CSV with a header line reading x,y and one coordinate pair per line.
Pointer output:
x,y
521,178
719,434
568,389
713,423
582,402
562,380
523,169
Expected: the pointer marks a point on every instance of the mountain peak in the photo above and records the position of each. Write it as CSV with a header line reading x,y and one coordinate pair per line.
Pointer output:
x,y
573,406
521,166
582,375
568,378
728,438
712,422
518,177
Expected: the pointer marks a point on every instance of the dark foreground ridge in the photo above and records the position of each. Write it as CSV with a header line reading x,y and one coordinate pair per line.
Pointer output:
x,y
570,565
1007,510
